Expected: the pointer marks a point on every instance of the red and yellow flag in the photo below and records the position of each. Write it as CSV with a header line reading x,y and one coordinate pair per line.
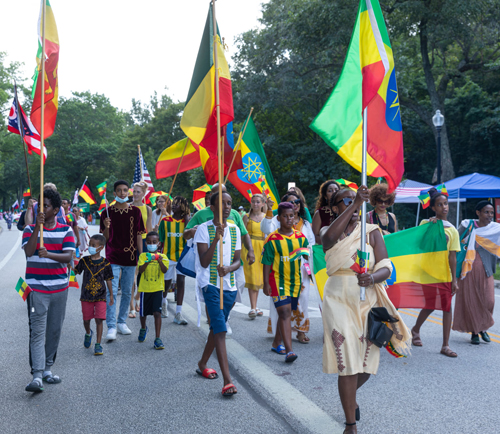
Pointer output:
x,y
199,120
168,162
51,65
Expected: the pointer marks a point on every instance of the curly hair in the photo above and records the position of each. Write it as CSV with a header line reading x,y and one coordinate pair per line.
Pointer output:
x,y
379,191
183,203
302,211
322,200
53,196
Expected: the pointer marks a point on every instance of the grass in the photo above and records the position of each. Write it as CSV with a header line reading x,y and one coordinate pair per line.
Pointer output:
x,y
496,276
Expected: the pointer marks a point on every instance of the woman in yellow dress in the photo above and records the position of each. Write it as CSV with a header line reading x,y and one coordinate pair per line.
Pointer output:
x,y
254,279
347,351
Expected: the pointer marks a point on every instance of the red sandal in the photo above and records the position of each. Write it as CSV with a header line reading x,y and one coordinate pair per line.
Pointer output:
x,y
226,388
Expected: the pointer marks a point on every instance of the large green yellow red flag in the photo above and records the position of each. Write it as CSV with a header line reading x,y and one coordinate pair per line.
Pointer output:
x,y
51,79
255,176
168,162
368,79
199,120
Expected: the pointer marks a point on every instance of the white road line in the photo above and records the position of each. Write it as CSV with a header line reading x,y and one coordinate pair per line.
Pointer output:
x,y
299,408
11,253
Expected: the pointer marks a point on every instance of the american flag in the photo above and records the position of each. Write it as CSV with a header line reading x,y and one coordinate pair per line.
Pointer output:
x,y
145,173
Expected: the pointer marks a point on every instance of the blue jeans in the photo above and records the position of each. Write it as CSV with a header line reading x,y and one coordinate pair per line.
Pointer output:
x,y
218,317
127,280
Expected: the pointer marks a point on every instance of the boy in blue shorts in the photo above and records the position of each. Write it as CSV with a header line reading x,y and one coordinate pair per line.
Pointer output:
x,y
152,266
208,274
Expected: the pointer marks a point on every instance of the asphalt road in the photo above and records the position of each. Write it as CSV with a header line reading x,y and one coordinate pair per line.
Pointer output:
x,y
133,388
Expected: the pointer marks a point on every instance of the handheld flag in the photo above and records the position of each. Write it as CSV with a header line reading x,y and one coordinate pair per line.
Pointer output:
x,y
15,205
368,80
362,262
425,200
101,188
255,176
86,193
23,289
347,183
73,283
142,175
199,120
51,73
27,192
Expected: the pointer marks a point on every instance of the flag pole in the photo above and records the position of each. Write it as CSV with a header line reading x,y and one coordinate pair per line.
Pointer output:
x,y
21,127
219,146
42,97
362,291
141,162
178,167
240,138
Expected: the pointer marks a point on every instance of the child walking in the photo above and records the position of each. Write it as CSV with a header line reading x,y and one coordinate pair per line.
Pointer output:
x,y
208,274
153,266
282,277
97,275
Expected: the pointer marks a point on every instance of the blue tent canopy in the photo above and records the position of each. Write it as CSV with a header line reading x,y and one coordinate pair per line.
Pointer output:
x,y
476,185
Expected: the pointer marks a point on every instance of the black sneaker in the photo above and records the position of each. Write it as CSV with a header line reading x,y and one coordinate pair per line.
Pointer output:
x,y
474,340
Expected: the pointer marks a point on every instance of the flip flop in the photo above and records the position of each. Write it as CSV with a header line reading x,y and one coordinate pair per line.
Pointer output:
x,y
291,357
131,314
226,388
304,339
206,373
280,349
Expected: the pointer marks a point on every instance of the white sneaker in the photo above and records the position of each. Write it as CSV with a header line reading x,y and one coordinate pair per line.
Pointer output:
x,y
179,319
229,329
111,336
164,308
123,329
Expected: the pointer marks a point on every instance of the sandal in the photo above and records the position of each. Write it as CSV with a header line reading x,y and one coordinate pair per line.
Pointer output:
x,y
448,352
415,338
259,312
291,357
137,306
280,349
52,379
207,372
302,338
226,388
131,314
252,314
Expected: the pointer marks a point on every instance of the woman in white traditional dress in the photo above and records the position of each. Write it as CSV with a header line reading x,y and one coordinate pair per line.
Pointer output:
x,y
300,317
82,229
347,351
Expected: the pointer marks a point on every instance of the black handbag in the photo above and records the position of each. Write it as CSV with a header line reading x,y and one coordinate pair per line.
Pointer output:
x,y
378,332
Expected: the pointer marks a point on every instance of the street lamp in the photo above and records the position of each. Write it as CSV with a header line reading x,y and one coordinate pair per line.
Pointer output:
x,y
438,121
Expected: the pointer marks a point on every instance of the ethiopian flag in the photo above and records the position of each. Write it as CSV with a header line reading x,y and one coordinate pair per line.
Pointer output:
x,y
23,289
421,278
86,193
368,79
255,176
199,196
27,193
102,205
101,188
73,283
199,120
51,79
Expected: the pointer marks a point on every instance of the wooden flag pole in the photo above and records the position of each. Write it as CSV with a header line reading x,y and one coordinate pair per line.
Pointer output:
x,y
240,138
42,118
362,290
219,153
178,167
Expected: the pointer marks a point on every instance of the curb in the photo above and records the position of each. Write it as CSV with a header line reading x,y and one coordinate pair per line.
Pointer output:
x,y
286,400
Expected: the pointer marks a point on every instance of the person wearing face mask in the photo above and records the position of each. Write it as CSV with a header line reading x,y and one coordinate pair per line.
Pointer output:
x,y
153,266
123,227
97,275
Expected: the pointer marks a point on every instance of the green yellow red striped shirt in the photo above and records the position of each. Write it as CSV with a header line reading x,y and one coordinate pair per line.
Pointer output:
x,y
170,232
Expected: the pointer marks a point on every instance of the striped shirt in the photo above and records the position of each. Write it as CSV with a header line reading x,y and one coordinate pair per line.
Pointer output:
x,y
44,274
170,232
285,278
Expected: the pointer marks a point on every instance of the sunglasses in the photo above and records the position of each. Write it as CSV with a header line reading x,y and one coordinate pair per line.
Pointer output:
x,y
347,201
384,202
296,202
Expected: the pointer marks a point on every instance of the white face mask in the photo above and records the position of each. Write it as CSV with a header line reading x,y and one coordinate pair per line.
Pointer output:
x,y
92,250
120,200
152,247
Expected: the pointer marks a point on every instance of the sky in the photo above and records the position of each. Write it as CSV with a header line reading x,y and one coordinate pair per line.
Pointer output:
x,y
121,48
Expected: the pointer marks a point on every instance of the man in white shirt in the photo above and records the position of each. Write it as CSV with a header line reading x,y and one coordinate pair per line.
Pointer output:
x,y
208,274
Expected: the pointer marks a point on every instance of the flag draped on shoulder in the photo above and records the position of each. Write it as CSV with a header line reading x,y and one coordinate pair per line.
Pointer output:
x,y
255,175
368,79
51,78
20,124
168,161
86,193
199,120
421,270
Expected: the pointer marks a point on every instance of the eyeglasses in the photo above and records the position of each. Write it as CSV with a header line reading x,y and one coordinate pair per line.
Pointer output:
x,y
384,202
347,201
296,202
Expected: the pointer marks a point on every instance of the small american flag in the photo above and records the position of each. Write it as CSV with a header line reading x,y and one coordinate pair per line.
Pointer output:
x,y
145,173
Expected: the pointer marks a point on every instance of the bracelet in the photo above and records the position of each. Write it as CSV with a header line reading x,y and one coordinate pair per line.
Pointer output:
x,y
373,280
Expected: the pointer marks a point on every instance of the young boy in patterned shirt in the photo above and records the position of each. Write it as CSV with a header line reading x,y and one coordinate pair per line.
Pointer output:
x,y
97,275
282,277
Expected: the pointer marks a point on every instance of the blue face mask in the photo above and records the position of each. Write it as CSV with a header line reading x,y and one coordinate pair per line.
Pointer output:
x,y
120,200
92,250
152,247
